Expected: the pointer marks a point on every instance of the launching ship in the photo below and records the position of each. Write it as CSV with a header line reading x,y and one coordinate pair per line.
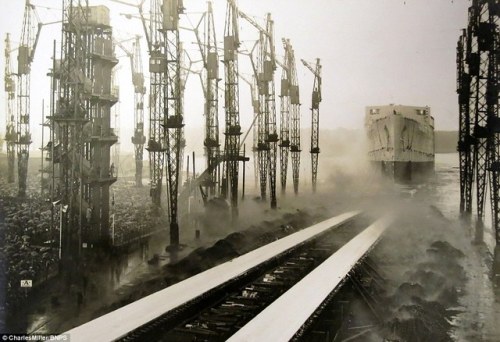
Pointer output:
x,y
401,141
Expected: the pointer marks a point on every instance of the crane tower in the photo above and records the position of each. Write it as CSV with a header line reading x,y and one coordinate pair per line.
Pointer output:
x,y
465,142
284,118
139,91
26,52
268,103
315,101
232,115
477,88
294,114
173,119
157,68
138,139
10,124
210,81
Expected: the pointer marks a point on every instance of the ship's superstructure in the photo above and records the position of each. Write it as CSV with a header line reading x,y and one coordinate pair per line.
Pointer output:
x,y
401,140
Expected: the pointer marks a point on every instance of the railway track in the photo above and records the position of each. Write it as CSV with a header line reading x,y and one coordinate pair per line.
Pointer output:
x,y
223,312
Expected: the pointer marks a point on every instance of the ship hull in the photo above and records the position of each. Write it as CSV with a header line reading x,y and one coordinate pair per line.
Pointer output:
x,y
401,141
405,171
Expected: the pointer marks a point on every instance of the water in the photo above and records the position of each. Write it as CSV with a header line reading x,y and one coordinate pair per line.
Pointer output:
x,y
480,301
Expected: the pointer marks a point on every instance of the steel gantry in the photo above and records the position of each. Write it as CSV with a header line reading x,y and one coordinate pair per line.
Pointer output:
x,y
260,146
229,186
173,120
210,80
10,122
157,106
138,139
290,117
477,55
26,52
255,127
284,117
267,101
465,141
315,101
268,135
477,68
294,116
81,120
69,116
490,37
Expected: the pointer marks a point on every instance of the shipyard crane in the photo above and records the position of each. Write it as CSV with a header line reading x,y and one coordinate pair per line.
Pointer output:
x,y
210,80
232,114
294,114
161,70
186,69
255,128
284,118
315,101
168,15
139,7
478,93
266,65
261,129
10,124
138,139
465,140
156,145
26,52
489,40
480,62
478,75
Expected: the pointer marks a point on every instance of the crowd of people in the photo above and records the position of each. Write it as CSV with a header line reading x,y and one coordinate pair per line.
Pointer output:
x,y
133,215
27,250
29,233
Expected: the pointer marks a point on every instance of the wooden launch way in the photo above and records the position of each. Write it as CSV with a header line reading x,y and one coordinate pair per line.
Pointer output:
x,y
326,278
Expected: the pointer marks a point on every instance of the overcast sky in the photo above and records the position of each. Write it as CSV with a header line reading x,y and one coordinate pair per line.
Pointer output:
x,y
372,52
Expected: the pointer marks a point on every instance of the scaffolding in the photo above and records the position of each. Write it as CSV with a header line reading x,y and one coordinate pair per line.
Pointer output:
x,y
82,132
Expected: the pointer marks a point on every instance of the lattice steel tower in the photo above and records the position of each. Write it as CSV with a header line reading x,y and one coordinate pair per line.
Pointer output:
x,y
267,131
82,124
294,116
26,51
173,120
210,81
158,79
139,138
268,103
477,66
232,115
489,40
315,101
10,122
465,142
284,118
